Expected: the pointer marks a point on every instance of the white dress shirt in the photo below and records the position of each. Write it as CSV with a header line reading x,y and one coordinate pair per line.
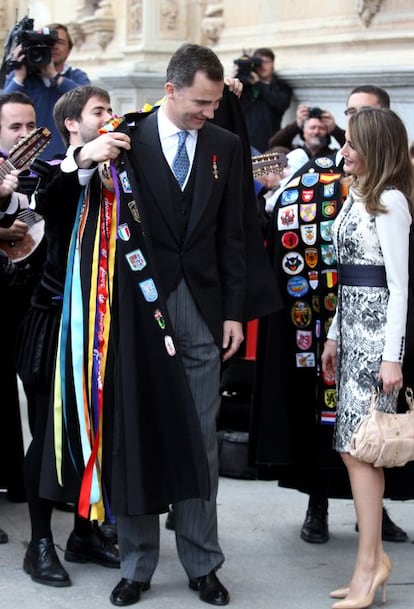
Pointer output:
x,y
168,133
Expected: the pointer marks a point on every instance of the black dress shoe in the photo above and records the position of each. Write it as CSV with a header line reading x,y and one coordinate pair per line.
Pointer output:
x,y
4,538
170,520
43,565
93,548
210,589
128,592
315,527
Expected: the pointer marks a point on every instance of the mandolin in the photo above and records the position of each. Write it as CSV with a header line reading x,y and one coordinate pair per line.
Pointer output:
x,y
20,157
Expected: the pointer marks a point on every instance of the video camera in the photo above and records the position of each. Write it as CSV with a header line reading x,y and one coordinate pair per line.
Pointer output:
x,y
247,64
36,46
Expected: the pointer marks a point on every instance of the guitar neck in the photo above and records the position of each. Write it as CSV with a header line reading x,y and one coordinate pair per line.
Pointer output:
x,y
6,168
25,151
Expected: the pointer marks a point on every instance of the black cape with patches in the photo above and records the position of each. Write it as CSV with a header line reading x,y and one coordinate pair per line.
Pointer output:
x,y
154,455
153,450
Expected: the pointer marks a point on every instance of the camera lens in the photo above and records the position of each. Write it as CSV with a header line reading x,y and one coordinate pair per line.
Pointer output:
x,y
38,55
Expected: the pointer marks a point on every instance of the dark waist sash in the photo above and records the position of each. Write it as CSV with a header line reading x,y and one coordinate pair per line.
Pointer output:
x,y
367,275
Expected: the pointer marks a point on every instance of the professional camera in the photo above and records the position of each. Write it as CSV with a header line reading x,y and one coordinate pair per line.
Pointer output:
x,y
36,46
315,112
247,64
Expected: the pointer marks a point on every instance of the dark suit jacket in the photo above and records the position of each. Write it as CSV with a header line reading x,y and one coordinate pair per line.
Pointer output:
x,y
212,256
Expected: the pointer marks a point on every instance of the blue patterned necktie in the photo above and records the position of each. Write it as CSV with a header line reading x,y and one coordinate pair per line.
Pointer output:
x,y
181,162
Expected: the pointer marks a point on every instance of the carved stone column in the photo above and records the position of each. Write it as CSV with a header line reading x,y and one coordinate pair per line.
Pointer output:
x,y
95,25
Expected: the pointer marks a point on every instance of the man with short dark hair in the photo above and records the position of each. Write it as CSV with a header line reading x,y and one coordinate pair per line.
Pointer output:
x,y
196,229
46,83
17,120
166,312
264,99
180,315
80,113
8,185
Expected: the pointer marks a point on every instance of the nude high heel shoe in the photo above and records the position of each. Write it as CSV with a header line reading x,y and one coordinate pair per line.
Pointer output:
x,y
380,581
343,592
340,592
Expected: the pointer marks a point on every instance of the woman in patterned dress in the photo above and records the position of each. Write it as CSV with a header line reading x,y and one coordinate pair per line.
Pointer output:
x,y
365,344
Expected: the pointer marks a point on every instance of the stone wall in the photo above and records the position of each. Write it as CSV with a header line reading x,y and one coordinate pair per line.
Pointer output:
x,y
322,50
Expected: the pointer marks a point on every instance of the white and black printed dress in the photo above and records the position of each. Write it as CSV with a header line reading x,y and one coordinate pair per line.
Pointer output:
x,y
370,322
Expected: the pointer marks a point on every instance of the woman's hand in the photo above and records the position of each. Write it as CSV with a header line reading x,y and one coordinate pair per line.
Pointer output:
x,y
329,357
390,376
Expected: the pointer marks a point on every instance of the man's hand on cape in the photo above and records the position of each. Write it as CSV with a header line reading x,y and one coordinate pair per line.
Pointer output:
x,y
104,147
234,84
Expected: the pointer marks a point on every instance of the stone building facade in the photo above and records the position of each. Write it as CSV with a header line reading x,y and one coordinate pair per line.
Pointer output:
x,y
323,50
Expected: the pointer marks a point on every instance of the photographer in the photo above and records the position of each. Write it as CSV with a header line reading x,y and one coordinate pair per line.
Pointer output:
x,y
48,78
265,96
294,130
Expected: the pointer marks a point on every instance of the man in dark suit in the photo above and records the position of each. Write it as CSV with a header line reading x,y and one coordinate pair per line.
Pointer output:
x,y
177,306
171,302
197,237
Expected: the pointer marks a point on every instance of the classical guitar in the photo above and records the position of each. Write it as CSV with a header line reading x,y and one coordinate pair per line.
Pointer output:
x,y
20,157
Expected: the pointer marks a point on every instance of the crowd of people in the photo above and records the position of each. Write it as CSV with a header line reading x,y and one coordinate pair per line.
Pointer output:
x,y
153,258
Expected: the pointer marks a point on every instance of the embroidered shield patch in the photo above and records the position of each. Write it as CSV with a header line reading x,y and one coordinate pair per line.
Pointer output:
x,y
311,257
308,233
304,339
301,314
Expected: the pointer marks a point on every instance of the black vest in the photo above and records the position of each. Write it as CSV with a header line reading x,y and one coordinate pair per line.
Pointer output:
x,y
182,201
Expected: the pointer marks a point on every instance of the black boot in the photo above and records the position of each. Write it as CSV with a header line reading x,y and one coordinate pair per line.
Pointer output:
x,y
315,526
4,538
390,531
43,565
93,548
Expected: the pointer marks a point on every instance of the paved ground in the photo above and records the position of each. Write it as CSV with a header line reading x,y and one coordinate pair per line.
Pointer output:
x,y
267,565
